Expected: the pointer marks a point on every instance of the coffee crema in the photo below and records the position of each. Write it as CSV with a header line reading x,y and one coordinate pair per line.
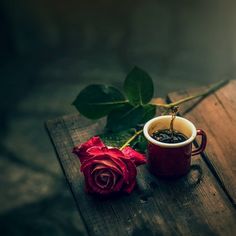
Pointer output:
x,y
169,136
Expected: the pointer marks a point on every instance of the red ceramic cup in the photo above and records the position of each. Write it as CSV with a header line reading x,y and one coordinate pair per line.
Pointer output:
x,y
172,160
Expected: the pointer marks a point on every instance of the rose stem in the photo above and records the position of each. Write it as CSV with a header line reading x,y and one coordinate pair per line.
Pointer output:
x,y
212,89
137,133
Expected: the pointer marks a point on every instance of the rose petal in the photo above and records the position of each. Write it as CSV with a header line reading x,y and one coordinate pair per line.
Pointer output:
x,y
132,173
108,170
129,188
111,179
114,163
102,178
105,161
92,187
114,181
114,152
87,178
81,151
99,167
135,156
119,184
118,167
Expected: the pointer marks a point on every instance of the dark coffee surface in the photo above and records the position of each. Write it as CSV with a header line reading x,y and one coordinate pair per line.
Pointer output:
x,y
166,136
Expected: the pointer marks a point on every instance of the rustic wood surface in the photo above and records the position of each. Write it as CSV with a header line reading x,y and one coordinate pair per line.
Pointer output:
x,y
216,114
192,205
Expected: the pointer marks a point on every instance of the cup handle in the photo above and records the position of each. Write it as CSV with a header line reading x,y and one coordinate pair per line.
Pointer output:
x,y
202,146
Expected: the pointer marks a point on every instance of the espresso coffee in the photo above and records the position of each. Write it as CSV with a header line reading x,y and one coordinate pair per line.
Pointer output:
x,y
169,136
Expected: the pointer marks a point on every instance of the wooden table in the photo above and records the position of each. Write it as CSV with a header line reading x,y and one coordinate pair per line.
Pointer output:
x,y
201,203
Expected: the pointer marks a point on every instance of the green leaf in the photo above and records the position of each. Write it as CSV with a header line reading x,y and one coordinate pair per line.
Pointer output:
x,y
96,101
129,116
124,117
149,113
138,87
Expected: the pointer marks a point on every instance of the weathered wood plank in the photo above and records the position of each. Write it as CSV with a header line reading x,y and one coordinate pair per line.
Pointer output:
x,y
216,114
192,205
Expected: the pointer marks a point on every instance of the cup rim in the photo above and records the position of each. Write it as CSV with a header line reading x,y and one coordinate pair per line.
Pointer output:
x,y
169,145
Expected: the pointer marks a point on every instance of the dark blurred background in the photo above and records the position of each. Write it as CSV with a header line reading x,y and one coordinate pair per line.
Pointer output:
x,y
51,49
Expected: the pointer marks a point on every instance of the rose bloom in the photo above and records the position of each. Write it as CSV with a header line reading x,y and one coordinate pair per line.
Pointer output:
x,y
108,170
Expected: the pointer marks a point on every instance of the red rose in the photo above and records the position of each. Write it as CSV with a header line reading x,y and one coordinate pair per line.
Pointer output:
x,y
108,170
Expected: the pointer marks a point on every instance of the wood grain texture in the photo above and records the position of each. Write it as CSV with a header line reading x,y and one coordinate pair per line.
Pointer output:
x,y
216,114
192,205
